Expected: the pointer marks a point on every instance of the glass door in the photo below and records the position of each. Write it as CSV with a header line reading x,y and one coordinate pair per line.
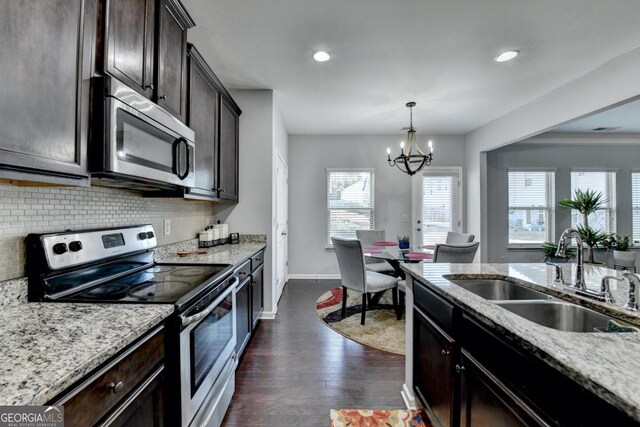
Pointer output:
x,y
437,205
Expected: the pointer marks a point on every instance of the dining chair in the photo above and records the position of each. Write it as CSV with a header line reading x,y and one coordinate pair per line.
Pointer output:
x,y
455,254
367,237
354,276
454,238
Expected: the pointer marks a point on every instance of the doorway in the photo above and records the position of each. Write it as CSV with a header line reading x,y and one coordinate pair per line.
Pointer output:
x,y
436,205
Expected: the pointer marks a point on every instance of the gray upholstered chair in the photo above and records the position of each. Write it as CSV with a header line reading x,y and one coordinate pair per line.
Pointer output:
x,y
367,237
355,277
456,254
454,238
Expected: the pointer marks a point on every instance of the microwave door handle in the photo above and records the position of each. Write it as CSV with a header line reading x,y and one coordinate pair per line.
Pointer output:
x,y
186,321
188,153
176,155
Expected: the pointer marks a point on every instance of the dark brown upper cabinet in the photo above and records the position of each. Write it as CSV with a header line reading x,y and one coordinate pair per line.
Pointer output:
x,y
214,117
145,48
229,146
46,67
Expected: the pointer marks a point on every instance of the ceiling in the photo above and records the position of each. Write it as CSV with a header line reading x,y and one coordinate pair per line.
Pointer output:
x,y
624,119
438,53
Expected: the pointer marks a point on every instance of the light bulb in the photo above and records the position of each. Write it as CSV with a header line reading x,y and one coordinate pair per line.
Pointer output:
x,y
388,150
401,145
430,146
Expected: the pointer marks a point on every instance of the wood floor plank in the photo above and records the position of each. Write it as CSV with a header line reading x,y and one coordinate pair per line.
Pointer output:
x,y
295,369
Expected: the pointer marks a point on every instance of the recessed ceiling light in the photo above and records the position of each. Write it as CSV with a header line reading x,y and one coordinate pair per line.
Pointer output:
x,y
507,56
321,56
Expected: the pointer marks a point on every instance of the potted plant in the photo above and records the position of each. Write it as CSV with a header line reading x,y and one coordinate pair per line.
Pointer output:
x,y
549,250
587,202
620,247
403,242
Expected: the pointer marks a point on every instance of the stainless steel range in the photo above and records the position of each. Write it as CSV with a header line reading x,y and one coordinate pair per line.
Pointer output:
x,y
117,266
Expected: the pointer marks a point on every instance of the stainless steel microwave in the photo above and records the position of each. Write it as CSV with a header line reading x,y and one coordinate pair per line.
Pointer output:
x,y
137,144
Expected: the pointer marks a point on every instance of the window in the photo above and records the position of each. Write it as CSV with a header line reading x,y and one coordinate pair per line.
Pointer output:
x,y
531,207
602,182
635,204
349,202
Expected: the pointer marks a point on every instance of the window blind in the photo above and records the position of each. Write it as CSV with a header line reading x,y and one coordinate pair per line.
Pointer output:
x,y
349,203
635,204
531,206
598,181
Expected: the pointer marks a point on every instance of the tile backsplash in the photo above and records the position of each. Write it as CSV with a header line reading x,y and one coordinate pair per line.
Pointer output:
x,y
25,210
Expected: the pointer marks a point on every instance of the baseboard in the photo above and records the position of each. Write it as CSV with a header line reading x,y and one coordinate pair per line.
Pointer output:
x,y
408,397
314,276
268,315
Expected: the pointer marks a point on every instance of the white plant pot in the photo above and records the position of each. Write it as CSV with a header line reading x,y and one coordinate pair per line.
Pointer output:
x,y
627,258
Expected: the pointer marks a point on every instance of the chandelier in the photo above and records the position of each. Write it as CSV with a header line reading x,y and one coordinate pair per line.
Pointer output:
x,y
408,161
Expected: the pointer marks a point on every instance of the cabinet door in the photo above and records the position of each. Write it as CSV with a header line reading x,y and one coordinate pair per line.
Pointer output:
x,y
485,401
256,295
243,315
228,155
433,369
172,57
45,67
204,98
145,407
129,50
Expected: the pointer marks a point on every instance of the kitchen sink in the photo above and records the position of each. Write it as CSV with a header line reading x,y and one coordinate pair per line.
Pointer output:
x,y
494,289
559,315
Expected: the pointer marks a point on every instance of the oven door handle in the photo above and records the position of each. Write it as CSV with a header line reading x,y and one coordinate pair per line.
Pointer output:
x,y
186,321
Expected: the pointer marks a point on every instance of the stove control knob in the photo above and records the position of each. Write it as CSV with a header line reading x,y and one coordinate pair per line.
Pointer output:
x,y
75,246
59,248
150,235
142,236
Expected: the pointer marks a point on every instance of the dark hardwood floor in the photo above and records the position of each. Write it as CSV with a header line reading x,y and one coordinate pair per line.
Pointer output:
x,y
296,369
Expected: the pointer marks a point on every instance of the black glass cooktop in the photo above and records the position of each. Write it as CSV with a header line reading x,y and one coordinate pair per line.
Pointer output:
x,y
157,284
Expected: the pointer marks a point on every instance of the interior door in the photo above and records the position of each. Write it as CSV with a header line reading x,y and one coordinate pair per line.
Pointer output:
x,y
437,205
282,220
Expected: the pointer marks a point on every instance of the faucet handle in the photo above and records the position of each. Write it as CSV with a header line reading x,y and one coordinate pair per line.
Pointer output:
x,y
632,279
605,288
558,280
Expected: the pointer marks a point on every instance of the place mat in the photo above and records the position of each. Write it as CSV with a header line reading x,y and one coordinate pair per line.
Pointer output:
x,y
418,255
385,243
372,250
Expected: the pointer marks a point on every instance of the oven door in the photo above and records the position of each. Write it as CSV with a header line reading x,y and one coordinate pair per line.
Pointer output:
x,y
144,142
207,342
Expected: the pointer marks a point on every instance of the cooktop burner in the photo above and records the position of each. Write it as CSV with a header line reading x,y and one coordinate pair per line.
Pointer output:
x,y
110,292
167,290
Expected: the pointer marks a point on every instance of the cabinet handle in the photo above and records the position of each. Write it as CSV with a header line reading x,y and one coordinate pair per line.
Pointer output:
x,y
241,273
115,387
253,282
445,353
149,87
459,369
163,97
258,260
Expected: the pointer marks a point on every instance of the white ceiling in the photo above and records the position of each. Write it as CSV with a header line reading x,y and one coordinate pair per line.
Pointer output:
x,y
438,53
625,118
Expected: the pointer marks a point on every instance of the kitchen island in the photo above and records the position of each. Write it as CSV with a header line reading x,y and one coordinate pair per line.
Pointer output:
x,y
548,376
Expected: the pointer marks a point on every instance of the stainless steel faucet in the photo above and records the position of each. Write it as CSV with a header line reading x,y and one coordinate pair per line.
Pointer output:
x,y
605,289
578,282
634,283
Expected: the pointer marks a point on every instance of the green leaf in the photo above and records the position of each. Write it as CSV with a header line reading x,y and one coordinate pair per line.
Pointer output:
x,y
586,202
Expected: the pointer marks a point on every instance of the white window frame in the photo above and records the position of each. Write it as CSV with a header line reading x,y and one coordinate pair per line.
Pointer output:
x,y
634,208
550,209
613,211
328,244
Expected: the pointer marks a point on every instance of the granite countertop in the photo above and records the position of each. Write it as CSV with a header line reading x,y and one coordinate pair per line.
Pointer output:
x,y
46,347
608,364
223,254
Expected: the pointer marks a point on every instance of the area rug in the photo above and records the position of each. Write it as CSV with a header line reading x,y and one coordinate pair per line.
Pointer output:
x,y
378,418
381,329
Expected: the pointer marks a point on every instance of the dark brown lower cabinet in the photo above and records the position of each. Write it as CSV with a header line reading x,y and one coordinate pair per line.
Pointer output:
x,y
485,401
256,295
243,315
130,390
433,376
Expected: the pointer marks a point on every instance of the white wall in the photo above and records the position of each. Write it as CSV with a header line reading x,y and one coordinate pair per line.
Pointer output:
x,y
252,214
614,82
310,155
